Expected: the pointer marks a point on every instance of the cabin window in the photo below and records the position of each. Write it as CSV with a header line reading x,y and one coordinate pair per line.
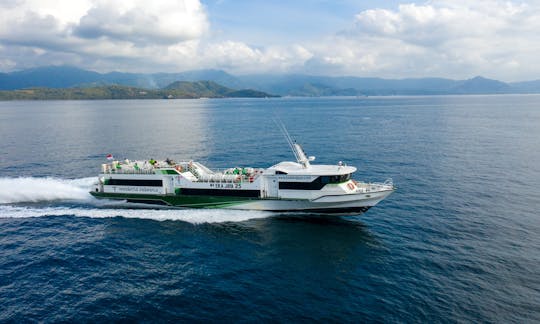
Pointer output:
x,y
220,192
335,178
137,183
316,184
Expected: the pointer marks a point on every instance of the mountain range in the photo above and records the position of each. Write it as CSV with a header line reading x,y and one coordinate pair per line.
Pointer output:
x,y
284,85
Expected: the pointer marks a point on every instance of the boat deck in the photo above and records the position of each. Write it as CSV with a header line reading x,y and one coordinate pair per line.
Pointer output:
x,y
193,171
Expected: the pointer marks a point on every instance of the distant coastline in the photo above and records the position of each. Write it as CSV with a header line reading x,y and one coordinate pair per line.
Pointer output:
x,y
177,90
71,83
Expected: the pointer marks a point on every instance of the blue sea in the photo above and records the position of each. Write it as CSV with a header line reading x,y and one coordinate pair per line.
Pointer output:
x,y
459,240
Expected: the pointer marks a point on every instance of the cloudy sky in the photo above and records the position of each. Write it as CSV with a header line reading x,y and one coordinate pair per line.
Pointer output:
x,y
394,39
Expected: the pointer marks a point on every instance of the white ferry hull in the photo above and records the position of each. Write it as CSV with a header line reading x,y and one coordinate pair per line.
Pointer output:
x,y
285,187
355,203
350,204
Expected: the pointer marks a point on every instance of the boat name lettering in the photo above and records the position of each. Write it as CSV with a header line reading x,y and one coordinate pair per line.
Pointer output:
x,y
225,185
293,177
138,189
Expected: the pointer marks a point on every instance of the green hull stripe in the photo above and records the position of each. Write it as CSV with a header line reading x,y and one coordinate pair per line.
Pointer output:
x,y
179,200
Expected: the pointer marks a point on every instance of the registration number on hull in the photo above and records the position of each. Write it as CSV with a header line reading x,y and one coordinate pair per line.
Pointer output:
x,y
226,185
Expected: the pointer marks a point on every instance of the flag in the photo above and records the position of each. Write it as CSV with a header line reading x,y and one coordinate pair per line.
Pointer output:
x,y
110,157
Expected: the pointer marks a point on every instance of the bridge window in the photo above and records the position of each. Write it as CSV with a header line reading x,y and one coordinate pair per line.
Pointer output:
x,y
335,178
316,184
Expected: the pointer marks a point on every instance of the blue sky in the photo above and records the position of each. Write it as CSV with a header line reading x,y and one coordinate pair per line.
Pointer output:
x,y
260,21
456,39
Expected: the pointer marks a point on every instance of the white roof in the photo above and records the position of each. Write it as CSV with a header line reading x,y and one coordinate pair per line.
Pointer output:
x,y
294,168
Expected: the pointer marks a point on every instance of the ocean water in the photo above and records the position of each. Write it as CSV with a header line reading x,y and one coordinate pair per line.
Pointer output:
x,y
459,241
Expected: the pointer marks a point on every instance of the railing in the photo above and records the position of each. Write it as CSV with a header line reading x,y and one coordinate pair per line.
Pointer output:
x,y
230,175
134,167
389,182
128,171
366,187
226,178
199,171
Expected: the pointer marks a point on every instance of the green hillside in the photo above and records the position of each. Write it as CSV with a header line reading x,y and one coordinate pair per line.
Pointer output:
x,y
208,89
176,90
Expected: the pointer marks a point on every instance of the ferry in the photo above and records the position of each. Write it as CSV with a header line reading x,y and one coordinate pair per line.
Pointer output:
x,y
289,186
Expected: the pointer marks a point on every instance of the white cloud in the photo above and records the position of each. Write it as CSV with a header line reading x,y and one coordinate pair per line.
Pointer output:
x,y
441,38
432,24
134,35
448,38
96,30
142,21
242,58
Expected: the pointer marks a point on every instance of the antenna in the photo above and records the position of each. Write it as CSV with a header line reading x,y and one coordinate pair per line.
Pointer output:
x,y
286,134
295,147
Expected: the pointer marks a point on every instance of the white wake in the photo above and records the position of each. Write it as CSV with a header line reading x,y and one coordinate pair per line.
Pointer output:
x,y
32,190
29,189
195,216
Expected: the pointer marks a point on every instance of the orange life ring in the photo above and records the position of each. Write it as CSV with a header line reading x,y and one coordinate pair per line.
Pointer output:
x,y
351,185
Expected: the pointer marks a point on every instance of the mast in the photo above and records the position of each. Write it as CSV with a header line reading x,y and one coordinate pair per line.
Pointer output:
x,y
297,150
301,155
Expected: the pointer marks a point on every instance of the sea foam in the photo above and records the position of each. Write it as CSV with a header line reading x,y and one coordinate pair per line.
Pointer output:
x,y
33,189
194,216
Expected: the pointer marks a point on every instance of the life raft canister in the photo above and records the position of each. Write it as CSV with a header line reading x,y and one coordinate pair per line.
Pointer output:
x,y
351,186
